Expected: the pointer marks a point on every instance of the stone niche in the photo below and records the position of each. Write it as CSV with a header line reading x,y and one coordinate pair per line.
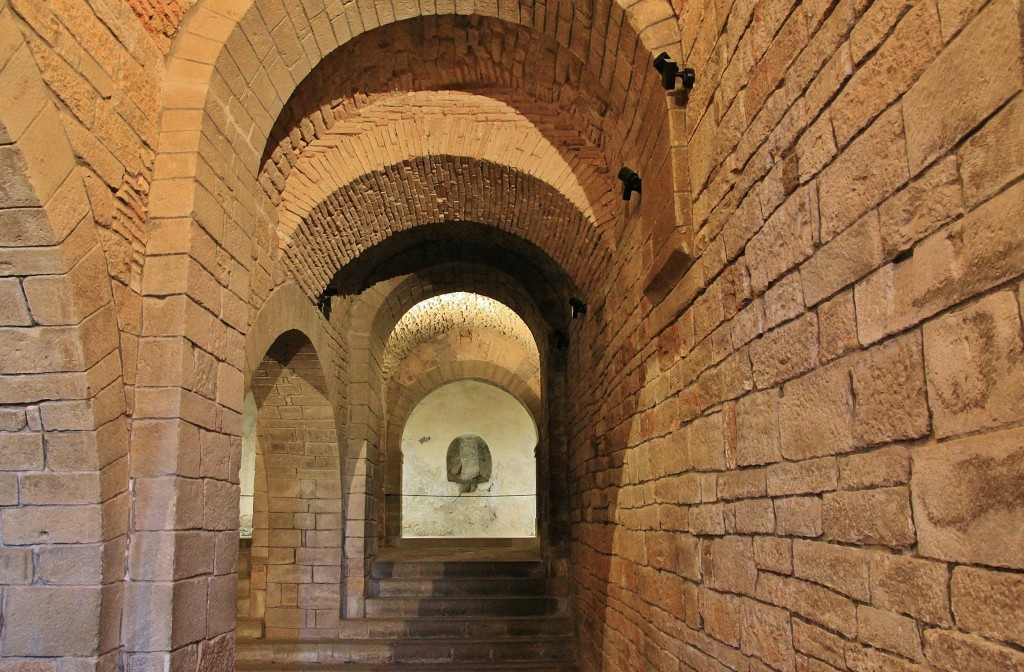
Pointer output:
x,y
494,492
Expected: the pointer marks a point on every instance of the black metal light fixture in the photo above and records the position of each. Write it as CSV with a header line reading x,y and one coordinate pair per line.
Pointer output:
x,y
670,72
323,303
559,339
630,182
577,307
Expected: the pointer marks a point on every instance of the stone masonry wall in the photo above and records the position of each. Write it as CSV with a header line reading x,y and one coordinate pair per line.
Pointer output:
x,y
805,457
808,457
297,545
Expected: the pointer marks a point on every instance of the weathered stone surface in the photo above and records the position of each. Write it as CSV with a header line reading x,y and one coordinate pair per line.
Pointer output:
x,y
989,603
754,516
957,652
891,69
785,352
797,478
757,429
773,554
968,504
51,524
843,260
816,414
728,564
719,612
866,659
837,327
879,468
988,47
976,366
16,566
52,621
870,169
993,156
786,239
869,517
927,203
969,256
911,586
840,568
888,631
707,442
815,603
798,516
819,643
889,392
783,301
767,635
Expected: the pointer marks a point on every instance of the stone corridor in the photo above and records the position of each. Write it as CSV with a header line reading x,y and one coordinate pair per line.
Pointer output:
x,y
263,262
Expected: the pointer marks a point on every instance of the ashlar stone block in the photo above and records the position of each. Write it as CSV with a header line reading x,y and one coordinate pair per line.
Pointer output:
x,y
989,603
975,363
968,501
51,621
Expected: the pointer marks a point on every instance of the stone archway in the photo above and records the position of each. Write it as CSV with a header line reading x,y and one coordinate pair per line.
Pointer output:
x,y
297,539
63,437
214,238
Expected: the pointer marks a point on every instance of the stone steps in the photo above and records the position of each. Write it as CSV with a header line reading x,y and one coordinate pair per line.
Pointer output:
x,y
407,667
421,615
512,650
464,587
468,627
411,607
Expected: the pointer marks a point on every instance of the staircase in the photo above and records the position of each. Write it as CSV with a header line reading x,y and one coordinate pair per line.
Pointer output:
x,y
432,615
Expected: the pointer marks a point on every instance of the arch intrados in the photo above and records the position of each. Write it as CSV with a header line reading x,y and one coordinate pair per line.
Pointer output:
x,y
411,396
405,296
346,79
536,293
286,309
503,324
240,48
410,131
432,191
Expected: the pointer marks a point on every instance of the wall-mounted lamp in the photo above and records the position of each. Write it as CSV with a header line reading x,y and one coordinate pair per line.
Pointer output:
x,y
560,340
630,182
670,72
577,307
323,303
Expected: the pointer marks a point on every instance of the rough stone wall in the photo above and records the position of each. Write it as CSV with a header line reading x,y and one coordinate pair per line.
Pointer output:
x,y
854,172
78,119
808,456
297,545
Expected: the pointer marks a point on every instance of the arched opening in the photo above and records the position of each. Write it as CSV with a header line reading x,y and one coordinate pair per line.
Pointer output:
x,y
247,467
295,557
468,465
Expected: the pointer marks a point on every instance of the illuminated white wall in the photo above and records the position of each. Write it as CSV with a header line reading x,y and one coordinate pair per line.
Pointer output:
x,y
493,510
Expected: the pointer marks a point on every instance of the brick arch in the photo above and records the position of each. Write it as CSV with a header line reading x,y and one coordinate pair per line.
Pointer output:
x,y
228,76
289,309
441,189
238,50
405,397
513,65
63,430
516,370
434,318
244,62
399,128
300,531
444,278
